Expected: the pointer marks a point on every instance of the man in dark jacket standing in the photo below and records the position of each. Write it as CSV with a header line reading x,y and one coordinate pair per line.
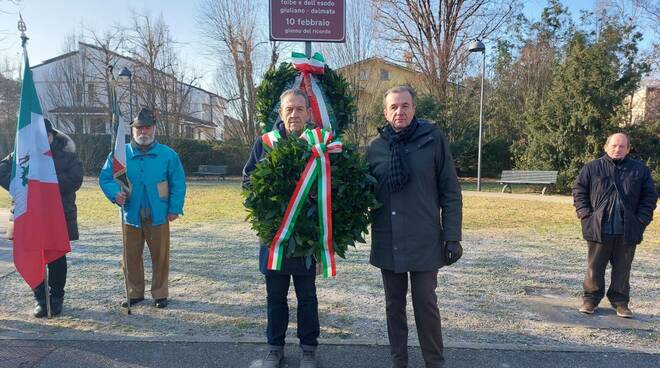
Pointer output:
x,y
417,230
68,168
294,114
615,198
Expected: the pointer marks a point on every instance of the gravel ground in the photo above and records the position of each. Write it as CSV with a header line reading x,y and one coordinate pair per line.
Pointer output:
x,y
217,292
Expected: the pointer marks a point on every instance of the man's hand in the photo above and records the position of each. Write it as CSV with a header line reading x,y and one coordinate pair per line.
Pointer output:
x,y
453,252
120,198
583,213
172,216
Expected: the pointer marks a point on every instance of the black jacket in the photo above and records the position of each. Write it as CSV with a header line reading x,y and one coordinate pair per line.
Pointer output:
x,y
69,170
290,266
595,184
410,228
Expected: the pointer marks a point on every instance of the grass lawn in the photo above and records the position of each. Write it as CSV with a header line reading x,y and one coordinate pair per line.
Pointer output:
x,y
207,202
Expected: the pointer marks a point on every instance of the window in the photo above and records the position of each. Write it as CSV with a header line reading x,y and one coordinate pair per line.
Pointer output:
x,y
384,75
189,132
97,125
208,112
363,75
91,92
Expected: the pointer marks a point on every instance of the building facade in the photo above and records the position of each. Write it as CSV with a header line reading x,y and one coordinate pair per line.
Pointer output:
x,y
645,103
74,92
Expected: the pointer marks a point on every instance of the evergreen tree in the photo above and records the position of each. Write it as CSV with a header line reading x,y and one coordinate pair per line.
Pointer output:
x,y
581,108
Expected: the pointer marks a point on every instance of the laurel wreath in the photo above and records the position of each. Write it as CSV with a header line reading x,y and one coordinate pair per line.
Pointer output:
x,y
274,179
341,106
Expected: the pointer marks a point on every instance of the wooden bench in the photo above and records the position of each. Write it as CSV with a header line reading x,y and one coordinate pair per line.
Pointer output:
x,y
544,178
212,170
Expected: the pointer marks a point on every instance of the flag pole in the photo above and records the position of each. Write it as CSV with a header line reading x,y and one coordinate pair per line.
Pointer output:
x,y
46,288
113,141
123,240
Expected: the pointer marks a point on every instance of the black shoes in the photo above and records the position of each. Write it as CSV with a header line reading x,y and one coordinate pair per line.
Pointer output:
x,y
41,311
134,301
160,303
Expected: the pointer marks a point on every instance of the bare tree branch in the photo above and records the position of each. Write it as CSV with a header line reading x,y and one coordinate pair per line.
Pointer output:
x,y
436,32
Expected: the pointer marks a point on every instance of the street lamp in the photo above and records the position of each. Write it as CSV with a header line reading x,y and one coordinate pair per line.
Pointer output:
x,y
478,46
124,75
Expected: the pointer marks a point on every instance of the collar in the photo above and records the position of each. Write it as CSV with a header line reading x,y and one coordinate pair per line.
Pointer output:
x,y
142,149
423,128
609,159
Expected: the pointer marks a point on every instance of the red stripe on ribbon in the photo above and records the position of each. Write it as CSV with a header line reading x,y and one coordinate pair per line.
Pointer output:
x,y
306,85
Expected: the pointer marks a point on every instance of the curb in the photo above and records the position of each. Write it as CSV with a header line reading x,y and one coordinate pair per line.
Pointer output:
x,y
353,342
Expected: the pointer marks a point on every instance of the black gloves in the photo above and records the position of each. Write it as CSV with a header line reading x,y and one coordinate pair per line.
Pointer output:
x,y
453,252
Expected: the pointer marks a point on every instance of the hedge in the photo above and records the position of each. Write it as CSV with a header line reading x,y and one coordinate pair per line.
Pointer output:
x,y
93,151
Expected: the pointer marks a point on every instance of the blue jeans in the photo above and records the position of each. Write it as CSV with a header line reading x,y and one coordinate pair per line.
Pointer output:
x,y
277,288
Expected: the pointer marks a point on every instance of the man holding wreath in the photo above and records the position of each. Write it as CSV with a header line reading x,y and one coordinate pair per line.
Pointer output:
x,y
294,116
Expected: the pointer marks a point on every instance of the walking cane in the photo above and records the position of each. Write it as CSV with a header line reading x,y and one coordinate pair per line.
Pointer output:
x,y
47,291
123,240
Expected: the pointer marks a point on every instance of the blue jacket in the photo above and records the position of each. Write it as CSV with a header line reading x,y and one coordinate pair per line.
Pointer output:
x,y
160,172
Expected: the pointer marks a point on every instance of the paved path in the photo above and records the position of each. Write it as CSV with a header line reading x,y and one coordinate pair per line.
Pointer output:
x,y
134,354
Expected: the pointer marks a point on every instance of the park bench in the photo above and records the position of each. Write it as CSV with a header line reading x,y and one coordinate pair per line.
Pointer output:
x,y
544,178
212,170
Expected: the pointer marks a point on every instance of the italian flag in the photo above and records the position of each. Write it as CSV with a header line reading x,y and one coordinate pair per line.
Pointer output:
x,y
119,146
40,229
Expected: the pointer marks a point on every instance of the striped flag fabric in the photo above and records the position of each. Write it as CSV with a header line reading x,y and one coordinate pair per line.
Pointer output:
x,y
40,229
119,146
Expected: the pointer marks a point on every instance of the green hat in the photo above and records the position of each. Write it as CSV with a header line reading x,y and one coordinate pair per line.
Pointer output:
x,y
145,117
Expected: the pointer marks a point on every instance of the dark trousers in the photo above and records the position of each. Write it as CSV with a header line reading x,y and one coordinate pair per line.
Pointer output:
x,y
277,289
56,281
427,316
612,250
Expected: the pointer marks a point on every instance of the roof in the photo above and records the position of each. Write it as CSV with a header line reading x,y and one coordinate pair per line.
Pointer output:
x,y
191,119
92,110
379,59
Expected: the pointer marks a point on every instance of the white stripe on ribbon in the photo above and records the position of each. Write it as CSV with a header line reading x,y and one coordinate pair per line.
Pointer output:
x,y
325,118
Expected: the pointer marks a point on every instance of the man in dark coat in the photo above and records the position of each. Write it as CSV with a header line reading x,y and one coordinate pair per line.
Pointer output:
x,y
295,114
69,170
614,197
417,230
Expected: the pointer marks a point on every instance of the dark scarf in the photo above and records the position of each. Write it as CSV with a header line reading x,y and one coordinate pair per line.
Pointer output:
x,y
399,172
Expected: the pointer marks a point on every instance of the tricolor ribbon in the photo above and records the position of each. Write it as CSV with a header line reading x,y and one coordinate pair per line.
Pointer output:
x,y
318,167
308,83
269,139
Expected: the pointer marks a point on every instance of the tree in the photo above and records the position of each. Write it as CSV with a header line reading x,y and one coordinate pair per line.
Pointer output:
x,y
9,102
161,82
524,69
82,81
436,32
229,26
583,104
359,45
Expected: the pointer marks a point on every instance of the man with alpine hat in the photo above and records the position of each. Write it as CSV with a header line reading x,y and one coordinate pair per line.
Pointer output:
x,y
155,197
